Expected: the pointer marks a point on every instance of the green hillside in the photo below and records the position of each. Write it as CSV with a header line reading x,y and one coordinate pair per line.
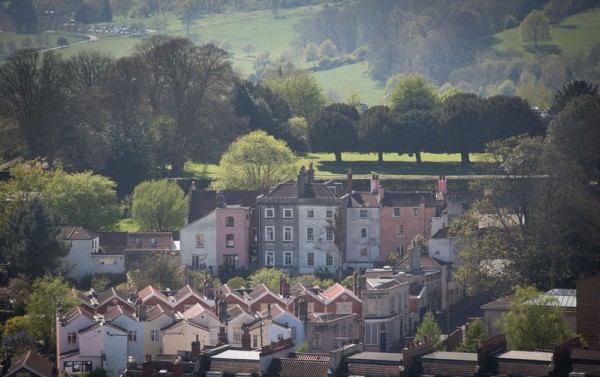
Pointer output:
x,y
576,34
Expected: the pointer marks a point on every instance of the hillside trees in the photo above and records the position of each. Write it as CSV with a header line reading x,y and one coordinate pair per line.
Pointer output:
x,y
535,28
33,93
575,133
299,88
159,206
255,160
193,79
333,130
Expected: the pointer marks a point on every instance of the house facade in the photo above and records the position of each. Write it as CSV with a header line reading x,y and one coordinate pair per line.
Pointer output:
x,y
198,244
300,226
588,310
362,230
385,313
87,258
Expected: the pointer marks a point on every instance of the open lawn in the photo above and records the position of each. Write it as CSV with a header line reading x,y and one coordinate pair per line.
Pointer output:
x,y
363,165
573,35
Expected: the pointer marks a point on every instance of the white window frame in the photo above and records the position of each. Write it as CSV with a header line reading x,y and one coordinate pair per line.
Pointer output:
x,y
416,211
310,213
269,258
72,338
316,339
288,213
309,256
270,233
329,259
229,240
227,223
396,212
132,336
364,233
269,213
288,234
329,234
371,329
363,213
329,213
155,335
310,234
288,258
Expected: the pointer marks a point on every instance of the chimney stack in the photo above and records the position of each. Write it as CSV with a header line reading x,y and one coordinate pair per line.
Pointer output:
x,y
374,183
302,182
60,314
381,195
311,173
209,288
246,338
193,185
355,281
362,285
415,259
220,199
349,181
222,310
303,310
442,184
195,348
140,311
222,338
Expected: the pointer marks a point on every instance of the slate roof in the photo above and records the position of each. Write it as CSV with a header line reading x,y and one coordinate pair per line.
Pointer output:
x,y
110,294
427,263
289,189
586,361
408,199
231,366
362,200
446,364
372,364
32,362
78,233
202,202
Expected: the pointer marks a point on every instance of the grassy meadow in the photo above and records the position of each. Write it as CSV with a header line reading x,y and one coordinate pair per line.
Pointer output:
x,y
363,165
574,35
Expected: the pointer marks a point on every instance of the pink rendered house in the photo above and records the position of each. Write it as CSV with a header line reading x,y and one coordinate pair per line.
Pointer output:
x,y
403,216
233,236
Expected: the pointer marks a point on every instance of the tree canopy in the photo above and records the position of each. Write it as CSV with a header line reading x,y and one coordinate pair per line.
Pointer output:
x,y
83,199
413,92
32,242
535,28
333,130
254,160
534,321
159,206
430,330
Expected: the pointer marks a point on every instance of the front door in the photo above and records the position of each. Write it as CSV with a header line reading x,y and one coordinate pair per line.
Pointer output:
x,y
382,341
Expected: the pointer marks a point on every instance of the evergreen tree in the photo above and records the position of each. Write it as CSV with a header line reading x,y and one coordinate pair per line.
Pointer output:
x,y
23,16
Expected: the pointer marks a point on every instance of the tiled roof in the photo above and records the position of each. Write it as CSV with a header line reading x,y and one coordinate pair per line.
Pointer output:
x,y
185,291
32,362
148,291
363,200
183,323
236,311
78,233
75,313
373,369
296,367
110,294
143,241
258,291
310,356
408,199
197,310
156,311
116,312
585,354
235,366
276,310
202,202
443,368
